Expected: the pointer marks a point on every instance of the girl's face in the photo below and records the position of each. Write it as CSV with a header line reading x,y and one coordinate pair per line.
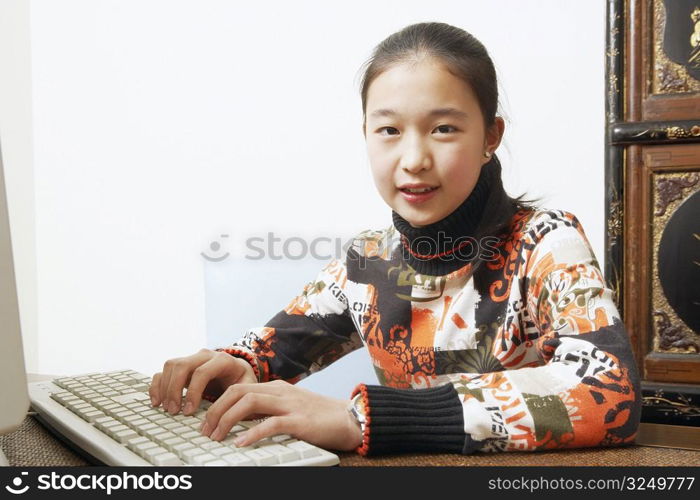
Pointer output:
x,y
425,139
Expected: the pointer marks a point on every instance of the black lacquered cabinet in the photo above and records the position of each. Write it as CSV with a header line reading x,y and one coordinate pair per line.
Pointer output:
x,y
653,204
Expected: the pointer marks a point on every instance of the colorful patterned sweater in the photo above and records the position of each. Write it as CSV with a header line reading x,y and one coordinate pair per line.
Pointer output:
x,y
540,360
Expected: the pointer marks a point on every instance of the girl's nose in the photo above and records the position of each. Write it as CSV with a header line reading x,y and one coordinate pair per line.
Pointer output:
x,y
415,158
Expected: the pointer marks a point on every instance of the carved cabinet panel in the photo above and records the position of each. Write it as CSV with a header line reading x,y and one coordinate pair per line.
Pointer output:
x,y
671,55
671,270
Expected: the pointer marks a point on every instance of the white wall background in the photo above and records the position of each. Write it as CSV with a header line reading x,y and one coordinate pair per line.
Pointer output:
x,y
159,125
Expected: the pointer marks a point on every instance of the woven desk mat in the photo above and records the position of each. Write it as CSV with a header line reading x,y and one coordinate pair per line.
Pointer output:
x,y
32,445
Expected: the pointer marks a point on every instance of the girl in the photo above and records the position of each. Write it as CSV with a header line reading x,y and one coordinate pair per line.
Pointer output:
x,y
488,321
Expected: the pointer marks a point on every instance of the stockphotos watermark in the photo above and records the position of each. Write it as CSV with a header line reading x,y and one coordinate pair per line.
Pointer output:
x,y
102,483
274,247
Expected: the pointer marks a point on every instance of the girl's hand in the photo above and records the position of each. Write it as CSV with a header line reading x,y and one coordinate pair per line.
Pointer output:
x,y
305,415
206,371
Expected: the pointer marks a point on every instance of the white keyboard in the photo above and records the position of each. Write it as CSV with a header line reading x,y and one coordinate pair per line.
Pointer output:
x,y
109,416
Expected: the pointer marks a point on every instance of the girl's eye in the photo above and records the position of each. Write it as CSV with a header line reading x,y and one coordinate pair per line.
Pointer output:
x,y
388,129
443,127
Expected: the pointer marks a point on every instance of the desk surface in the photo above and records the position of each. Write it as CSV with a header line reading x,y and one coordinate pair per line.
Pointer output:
x,y
32,445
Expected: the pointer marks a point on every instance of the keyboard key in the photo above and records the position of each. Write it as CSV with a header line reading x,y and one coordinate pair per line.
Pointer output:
x,y
154,432
165,435
138,424
181,430
99,402
305,449
280,438
216,463
241,449
61,382
124,435
129,419
105,426
190,435
165,459
201,440
76,407
124,398
180,449
82,410
87,395
237,459
284,454
70,399
189,454
135,441
60,396
170,443
117,428
151,453
161,421
142,448
211,445
261,457
203,459
93,415
221,451
146,427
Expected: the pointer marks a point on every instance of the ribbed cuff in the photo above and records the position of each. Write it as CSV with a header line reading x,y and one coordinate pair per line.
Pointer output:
x,y
239,353
411,420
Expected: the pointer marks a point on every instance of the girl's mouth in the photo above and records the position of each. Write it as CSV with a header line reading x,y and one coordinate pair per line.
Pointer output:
x,y
418,195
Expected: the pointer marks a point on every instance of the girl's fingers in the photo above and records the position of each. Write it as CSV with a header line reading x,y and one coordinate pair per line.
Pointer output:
x,y
235,392
201,376
223,403
269,427
165,382
154,389
217,426
176,375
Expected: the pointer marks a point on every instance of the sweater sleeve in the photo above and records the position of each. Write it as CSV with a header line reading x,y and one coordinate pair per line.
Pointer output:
x,y
310,333
581,390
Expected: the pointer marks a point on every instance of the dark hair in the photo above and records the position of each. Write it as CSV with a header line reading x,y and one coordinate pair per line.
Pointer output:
x,y
465,57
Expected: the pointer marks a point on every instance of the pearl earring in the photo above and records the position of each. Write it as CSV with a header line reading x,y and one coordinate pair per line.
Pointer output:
x,y
487,154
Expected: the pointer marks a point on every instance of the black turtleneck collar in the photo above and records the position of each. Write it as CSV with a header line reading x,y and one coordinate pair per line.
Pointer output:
x,y
448,244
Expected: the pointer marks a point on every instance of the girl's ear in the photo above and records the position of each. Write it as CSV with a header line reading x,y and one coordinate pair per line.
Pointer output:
x,y
494,134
